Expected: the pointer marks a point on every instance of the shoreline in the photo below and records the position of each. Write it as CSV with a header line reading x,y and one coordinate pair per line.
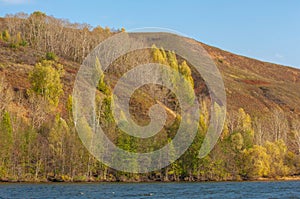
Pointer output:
x,y
283,179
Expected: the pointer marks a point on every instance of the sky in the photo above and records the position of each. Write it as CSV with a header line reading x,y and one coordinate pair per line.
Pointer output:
x,y
267,30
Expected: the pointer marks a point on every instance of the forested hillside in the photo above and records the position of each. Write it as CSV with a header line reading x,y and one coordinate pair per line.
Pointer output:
x,y
39,58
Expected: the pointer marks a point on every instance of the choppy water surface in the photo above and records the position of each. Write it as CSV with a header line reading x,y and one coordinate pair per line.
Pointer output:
x,y
286,189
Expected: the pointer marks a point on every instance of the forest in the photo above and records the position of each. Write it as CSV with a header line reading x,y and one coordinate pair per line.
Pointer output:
x,y
38,138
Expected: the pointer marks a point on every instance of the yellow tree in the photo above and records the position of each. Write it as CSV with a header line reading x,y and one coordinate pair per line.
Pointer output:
x,y
256,162
158,55
6,36
277,152
45,81
244,126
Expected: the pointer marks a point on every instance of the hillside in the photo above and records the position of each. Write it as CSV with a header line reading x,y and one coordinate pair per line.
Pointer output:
x,y
40,143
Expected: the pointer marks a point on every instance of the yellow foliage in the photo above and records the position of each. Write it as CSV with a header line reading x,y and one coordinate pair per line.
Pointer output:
x,y
256,162
158,55
45,81
245,122
277,152
6,35
237,141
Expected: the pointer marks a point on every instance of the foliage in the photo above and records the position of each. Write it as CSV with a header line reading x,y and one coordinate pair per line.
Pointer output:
x,y
277,152
6,36
102,86
46,146
256,162
6,131
51,56
244,126
45,81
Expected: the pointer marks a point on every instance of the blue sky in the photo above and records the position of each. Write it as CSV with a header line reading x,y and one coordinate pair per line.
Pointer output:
x,y
268,30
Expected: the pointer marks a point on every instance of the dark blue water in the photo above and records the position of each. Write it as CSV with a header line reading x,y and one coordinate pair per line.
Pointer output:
x,y
287,189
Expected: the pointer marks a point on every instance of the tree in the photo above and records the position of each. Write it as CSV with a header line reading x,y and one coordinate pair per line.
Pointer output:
x,y
6,36
18,38
51,56
17,41
69,106
256,162
58,137
296,134
158,55
237,141
172,60
279,125
36,29
7,127
244,126
6,137
127,143
185,69
277,152
6,94
102,86
45,81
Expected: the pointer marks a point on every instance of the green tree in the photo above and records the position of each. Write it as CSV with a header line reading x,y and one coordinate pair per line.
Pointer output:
x,y
102,86
6,132
45,81
51,56
69,106
6,143
127,143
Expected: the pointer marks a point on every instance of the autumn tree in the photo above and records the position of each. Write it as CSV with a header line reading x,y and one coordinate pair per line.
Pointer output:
x,y
101,86
277,152
244,126
58,138
45,81
257,162
6,36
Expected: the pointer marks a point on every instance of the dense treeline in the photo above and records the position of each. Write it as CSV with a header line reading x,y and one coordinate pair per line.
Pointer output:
x,y
44,145
48,34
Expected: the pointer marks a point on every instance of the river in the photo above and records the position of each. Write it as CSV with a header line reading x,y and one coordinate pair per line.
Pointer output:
x,y
274,189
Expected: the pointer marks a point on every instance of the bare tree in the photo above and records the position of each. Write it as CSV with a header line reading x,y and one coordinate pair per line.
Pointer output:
x,y
278,125
296,134
6,94
39,110
258,129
